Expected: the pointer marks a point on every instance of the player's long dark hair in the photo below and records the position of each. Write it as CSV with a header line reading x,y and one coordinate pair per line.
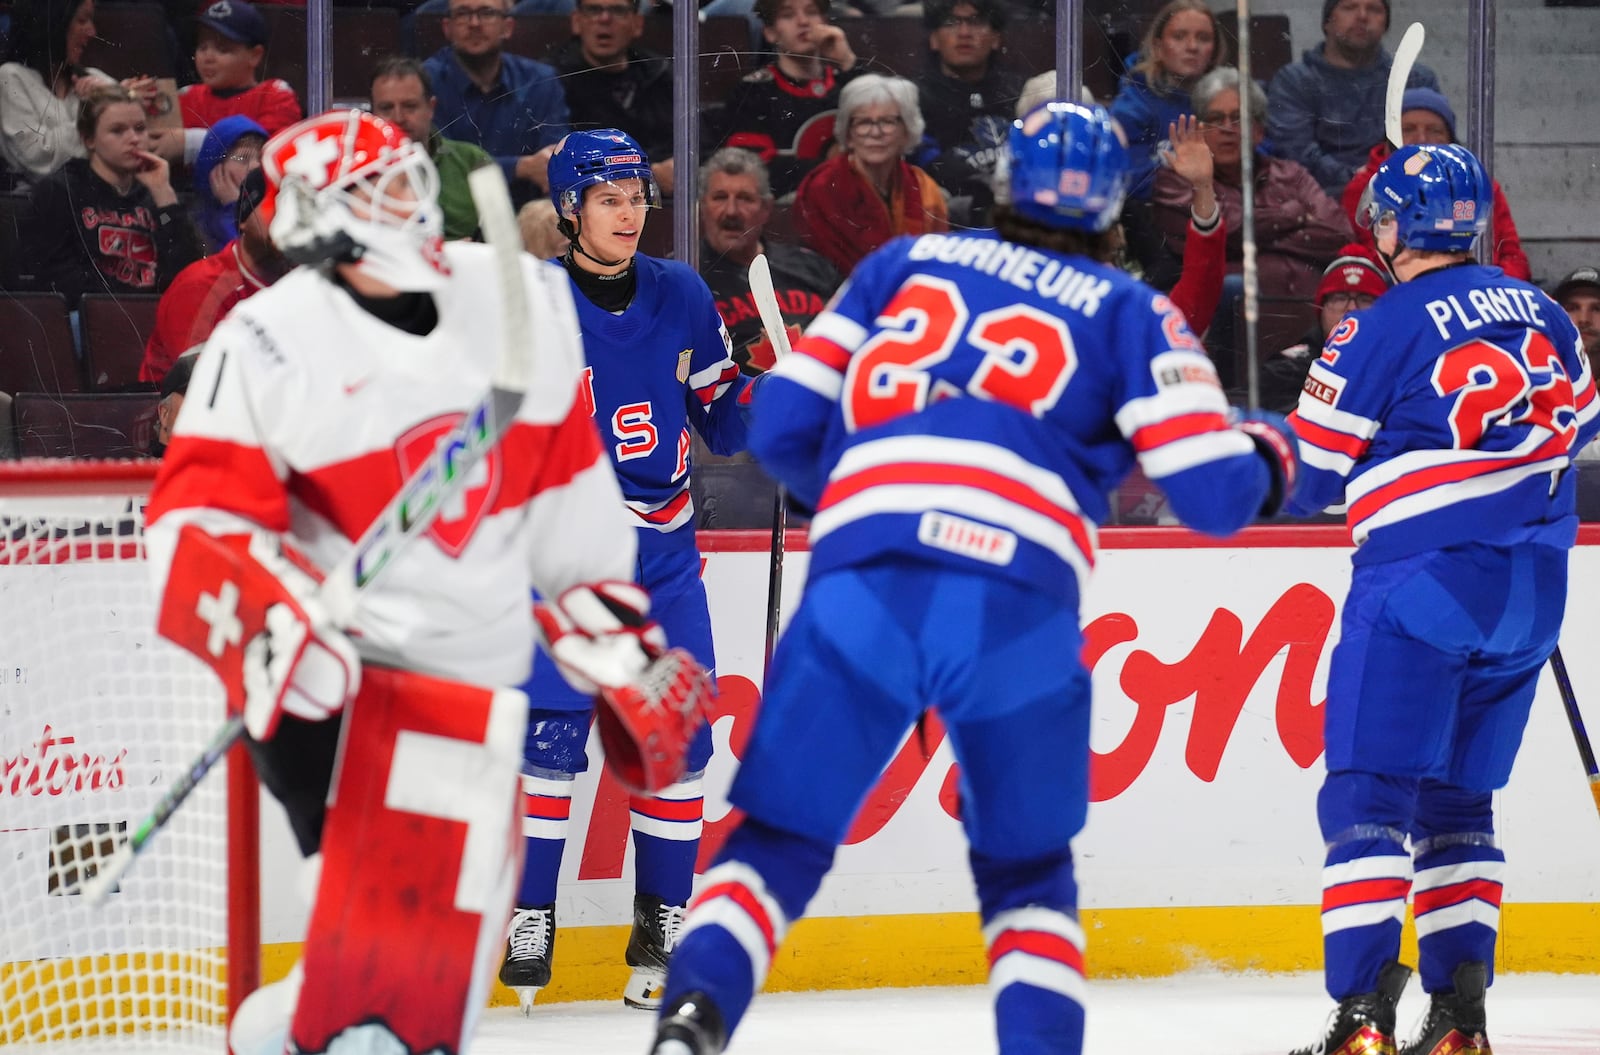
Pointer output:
x,y
1014,227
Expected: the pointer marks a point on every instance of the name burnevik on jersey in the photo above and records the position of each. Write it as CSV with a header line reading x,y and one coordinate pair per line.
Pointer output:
x,y
305,411
902,427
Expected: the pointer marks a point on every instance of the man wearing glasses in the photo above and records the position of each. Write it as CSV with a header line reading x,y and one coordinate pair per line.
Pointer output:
x,y
509,105
967,94
610,83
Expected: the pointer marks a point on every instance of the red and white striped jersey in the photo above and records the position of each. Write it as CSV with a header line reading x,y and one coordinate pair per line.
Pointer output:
x,y
306,412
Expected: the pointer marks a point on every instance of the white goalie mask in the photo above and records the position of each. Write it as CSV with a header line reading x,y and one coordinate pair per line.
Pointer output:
x,y
346,186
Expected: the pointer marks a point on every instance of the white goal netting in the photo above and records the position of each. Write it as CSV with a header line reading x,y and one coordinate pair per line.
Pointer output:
x,y
98,717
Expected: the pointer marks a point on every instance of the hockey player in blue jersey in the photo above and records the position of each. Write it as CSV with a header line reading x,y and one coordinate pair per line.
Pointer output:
x,y
1446,416
659,364
956,419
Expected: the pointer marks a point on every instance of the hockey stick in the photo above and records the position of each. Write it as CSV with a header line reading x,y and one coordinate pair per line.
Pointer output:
x,y
1405,57
1249,270
1580,735
410,513
766,299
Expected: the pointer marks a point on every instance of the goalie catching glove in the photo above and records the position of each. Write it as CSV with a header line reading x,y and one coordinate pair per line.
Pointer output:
x,y
649,701
250,612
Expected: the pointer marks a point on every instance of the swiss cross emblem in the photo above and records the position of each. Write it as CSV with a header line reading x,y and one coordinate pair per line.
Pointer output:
x,y
465,508
312,156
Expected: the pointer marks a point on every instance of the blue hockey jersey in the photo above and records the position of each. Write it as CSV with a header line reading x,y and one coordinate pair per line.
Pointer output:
x,y
971,401
660,366
1447,412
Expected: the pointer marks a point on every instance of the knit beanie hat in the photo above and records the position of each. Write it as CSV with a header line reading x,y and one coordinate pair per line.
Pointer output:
x,y
1329,5
1428,99
1355,270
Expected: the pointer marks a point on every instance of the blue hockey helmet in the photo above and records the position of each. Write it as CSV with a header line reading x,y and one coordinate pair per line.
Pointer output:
x,y
1068,166
604,155
1437,194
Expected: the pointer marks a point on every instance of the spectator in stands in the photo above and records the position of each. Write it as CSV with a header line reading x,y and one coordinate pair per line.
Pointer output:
x,y
784,111
231,151
1298,227
1427,117
230,48
174,386
611,83
402,92
735,206
1181,45
966,95
1579,296
1199,287
109,222
509,105
42,83
208,289
1327,109
868,193
1354,280
540,235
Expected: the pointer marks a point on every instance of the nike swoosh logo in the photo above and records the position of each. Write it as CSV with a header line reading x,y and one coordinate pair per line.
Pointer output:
x,y
356,386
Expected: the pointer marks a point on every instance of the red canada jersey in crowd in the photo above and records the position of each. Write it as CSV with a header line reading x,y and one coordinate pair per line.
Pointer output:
x,y
306,413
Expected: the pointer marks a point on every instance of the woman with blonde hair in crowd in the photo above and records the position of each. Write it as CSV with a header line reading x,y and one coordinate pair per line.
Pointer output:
x,y
1181,45
869,193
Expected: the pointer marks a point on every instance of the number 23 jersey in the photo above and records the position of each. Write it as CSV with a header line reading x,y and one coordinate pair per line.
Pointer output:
x,y
1447,413
971,401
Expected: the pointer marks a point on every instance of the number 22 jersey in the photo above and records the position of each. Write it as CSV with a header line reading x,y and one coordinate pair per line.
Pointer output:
x,y
1446,413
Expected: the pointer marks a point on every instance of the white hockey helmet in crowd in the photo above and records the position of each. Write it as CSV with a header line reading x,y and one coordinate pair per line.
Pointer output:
x,y
349,187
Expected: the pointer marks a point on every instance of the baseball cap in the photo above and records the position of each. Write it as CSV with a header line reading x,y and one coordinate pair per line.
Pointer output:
x,y
236,20
1584,276
1354,270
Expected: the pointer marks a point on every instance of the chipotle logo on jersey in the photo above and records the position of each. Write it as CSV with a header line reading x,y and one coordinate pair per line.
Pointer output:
x,y
464,509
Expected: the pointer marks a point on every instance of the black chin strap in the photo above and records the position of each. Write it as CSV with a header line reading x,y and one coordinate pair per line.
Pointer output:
x,y
577,247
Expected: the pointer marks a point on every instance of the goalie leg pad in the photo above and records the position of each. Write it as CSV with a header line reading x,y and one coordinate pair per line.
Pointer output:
x,y
427,763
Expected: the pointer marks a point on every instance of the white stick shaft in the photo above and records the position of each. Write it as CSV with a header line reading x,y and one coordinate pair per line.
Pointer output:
x,y
766,299
1405,57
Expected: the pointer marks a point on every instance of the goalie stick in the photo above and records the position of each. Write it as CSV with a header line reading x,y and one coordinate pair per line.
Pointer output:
x,y
408,514
1580,735
766,299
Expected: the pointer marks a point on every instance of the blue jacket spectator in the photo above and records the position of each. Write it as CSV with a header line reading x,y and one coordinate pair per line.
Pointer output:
x,y
1181,44
511,106
1326,111
230,152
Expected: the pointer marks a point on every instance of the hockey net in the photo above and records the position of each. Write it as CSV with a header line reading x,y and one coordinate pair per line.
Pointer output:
x,y
98,717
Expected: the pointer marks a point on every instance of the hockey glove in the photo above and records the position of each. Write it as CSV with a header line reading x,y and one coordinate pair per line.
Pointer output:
x,y
299,663
600,634
250,613
1276,444
646,726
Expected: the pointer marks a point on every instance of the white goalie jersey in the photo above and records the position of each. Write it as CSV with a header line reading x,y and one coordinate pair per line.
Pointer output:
x,y
305,414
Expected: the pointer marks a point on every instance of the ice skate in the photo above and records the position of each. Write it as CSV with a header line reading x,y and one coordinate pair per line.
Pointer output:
x,y
1456,1024
655,932
692,1027
530,944
1364,1024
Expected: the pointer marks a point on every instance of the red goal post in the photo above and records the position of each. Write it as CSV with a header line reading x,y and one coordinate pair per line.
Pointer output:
x,y
98,717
